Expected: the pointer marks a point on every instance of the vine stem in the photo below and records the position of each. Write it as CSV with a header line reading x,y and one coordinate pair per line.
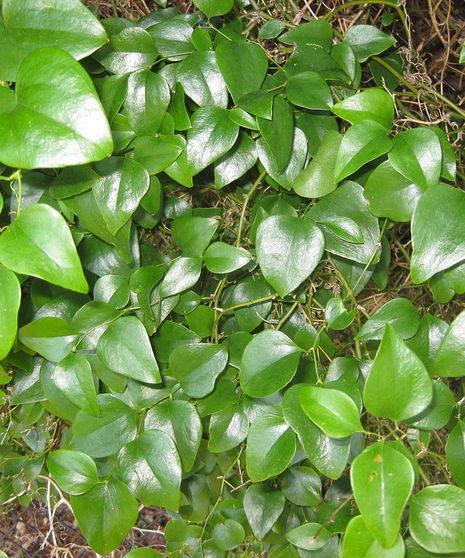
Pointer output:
x,y
247,198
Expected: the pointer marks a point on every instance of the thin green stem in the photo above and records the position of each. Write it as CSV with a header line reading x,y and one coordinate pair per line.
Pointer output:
x,y
287,315
249,303
247,198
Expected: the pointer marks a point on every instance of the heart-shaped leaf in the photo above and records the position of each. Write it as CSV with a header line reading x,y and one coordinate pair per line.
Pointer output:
x,y
359,543
382,480
39,243
47,127
262,506
74,471
399,312
10,299
367,40
373,104
288,250
450,358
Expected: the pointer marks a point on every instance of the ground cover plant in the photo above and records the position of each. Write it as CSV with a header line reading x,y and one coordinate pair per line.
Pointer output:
x,y
198,230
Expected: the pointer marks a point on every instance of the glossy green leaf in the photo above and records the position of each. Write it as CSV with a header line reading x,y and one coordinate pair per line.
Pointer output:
x,y
382,480
29,25
288,250
157,153
398,385
317,179
125,348
417,155
224,258
74,471
271,445
243,66
361,144
309,536
358,542
193,234
228,428
180,420
172,38
106,434
455,452
399,312
53,338
182,275
54,131
345,220
248,290
73,180
197,365
212,134
143,553
437,514
39,243
302,486
73,376
236,162
213,8
450,357
331,410
438,239
390,194
262,506
114,512
146,102
268,364
202,80
228,534
317,32
367,40
10,299
278,132
271,29
309,90
438,412
151,467
372,104
337,315
328,455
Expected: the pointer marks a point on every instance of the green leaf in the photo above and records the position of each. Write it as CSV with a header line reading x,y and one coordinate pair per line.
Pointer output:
x,y
193,234
373,104
450,358
212,8
212,134
309,90
182,275
398,386
129,50
417,155
157,153
30,25
337,315
107,434
248,290
390,194
288,250
399,312
366,41
309,536
455,452
243,65
382,480
73,180
143,553
53,338
73,376
10,299
224,258
262,505
361,144
202,80
39,243
437,514
278,132
236,162
151,467
197,365
228,428
228,534
317,32
147,101
302,486
331,410
271,29
328,455
74,471
359,543
317,179
438,239
344,218
268,364
123,184
125,348
180,420
47,128
114,513
270,448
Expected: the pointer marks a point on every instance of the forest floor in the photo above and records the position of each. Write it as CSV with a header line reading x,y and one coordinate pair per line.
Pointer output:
x,y
431,48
